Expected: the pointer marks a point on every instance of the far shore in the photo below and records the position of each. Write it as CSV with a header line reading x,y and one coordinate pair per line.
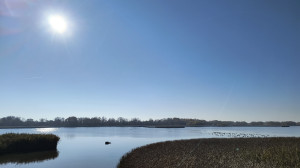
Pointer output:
x,y
15,127
24,127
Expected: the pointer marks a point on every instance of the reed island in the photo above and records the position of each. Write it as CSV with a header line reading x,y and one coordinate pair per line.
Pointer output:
x,y
21,143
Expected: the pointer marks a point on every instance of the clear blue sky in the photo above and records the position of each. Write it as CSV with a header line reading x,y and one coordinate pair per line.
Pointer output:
x,y
233,60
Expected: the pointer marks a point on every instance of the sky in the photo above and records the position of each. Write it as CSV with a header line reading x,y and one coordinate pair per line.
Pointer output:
x,y
234,60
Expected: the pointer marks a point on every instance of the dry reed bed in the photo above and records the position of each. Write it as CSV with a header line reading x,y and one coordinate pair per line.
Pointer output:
x,y
16,143
210,153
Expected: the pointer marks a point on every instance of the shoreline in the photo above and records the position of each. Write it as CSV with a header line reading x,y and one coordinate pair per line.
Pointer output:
x,y
25,127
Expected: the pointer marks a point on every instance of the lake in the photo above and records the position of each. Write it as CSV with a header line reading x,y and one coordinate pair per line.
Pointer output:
x,y
85,146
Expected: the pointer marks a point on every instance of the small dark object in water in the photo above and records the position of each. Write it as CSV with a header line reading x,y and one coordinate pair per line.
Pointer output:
x,y
107,143
285,126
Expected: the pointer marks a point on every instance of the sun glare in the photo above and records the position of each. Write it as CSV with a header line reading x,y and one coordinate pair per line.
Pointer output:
x,y
58,23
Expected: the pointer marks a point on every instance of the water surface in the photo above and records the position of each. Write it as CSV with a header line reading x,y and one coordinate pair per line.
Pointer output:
x,y
84,147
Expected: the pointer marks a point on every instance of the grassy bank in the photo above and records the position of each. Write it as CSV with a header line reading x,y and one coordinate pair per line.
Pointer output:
x,y
235,152
18,143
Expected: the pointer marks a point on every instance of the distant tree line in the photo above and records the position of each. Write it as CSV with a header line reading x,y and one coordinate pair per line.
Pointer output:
x,y
12,121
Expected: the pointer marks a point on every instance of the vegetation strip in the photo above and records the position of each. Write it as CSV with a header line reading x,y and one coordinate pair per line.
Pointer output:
x,y
216,152
19,143
17,122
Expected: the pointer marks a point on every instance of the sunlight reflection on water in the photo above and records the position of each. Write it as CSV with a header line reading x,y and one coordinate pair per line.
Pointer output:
x,y
46,130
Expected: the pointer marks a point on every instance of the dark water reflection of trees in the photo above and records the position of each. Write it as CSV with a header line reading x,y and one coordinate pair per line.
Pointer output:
x,y
26,158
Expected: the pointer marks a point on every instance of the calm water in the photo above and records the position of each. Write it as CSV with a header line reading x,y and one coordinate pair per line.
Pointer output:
x,y
84,147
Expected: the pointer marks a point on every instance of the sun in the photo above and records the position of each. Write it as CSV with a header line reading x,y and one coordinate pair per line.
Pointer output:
x,y
58,23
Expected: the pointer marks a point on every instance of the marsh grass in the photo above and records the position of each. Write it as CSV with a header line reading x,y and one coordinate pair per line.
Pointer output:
x,y
20,143
234,152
